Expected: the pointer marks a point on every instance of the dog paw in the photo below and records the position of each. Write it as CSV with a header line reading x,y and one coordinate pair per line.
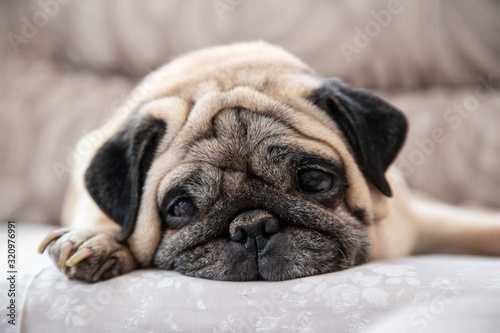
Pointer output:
x,y
87,255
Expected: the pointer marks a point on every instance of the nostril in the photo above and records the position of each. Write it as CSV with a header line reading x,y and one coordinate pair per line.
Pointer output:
x,y
238,235
265,227
256,226
271,226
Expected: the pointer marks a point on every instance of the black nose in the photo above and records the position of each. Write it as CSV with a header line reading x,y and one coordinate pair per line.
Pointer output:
x,y
253,229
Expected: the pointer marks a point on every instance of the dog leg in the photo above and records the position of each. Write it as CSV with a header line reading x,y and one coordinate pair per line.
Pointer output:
x,y
88,254
444,228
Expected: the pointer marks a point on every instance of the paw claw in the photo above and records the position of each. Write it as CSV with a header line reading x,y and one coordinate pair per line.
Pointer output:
x,y
65,251
79,256
49,238
88,255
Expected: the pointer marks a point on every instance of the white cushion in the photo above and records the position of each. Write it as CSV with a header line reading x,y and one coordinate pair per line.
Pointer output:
x,y
416,293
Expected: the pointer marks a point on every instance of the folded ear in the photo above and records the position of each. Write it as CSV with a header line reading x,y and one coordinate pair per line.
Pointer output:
x,y
374,129
116,175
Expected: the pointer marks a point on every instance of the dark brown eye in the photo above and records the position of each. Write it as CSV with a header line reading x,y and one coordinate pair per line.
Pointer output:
x,y
180,213
183,208
314,181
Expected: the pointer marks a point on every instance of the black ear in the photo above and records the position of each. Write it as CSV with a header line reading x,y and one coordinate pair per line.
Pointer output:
x,y
374,129
117,173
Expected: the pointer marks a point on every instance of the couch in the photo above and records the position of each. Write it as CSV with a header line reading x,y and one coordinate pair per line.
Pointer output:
x,y
67,64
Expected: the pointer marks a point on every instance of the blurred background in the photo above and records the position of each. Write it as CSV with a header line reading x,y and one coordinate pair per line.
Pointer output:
x,y
65,64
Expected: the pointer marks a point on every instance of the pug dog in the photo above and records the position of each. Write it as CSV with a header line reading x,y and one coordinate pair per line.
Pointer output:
x,y
240,163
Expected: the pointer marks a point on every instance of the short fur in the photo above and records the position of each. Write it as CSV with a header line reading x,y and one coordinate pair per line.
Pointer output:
x,y
228,130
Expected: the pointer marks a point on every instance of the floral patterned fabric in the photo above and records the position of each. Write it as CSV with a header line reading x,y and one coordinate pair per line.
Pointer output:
x,y
415,294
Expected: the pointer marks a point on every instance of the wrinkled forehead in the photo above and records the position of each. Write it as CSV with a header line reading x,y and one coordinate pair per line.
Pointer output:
x,y
238,136
243,141
234,130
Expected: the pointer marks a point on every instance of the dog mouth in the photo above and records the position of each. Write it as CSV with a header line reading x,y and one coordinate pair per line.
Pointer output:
x,y
288,254
253,257
273,240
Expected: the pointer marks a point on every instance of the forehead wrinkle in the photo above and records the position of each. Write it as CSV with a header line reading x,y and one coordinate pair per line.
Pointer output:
x,y
229,149
198,127
319,148
202,156
175,177
186,176
210,105
226,139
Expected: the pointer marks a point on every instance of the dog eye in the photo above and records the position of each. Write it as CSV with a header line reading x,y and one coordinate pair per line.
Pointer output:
x,y
314,180
183,208
180,213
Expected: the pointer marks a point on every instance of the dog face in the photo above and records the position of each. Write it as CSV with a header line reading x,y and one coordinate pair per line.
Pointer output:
x,y
241,164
